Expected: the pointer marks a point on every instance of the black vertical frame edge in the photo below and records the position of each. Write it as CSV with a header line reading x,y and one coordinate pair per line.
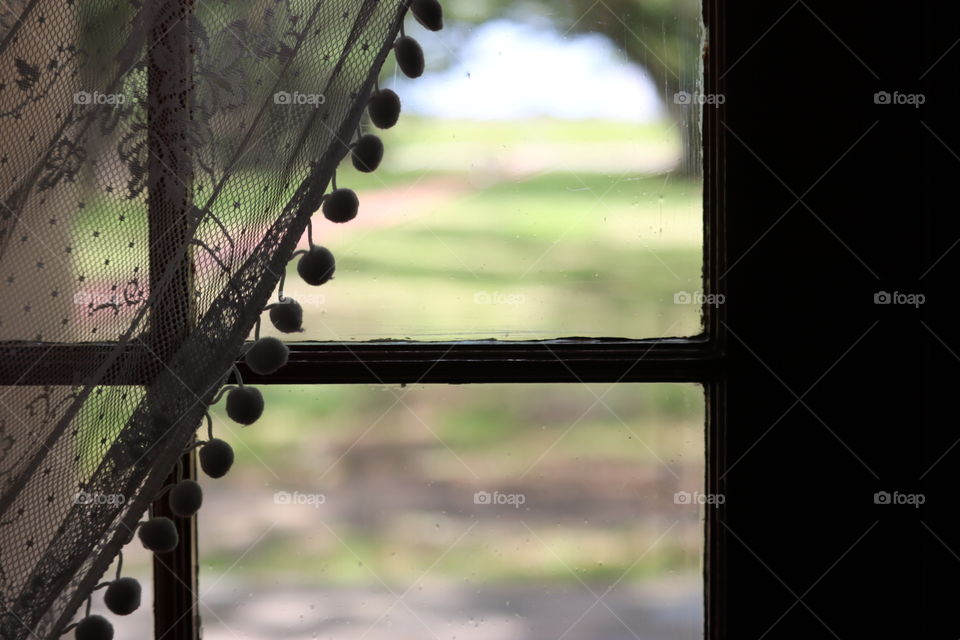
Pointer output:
x,y
170,64
715,261
714,178
175,574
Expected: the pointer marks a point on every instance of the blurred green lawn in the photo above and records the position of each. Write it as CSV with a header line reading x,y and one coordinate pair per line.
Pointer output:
x,y
514,230
399,478
533,229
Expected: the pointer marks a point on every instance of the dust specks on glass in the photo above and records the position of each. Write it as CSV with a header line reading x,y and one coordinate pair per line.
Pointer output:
x,y
488,512
546,182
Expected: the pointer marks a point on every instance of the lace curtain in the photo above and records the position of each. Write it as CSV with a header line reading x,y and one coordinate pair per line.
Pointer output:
x,y
159,162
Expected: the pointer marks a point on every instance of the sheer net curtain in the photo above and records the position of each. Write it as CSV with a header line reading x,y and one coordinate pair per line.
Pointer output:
x,y
155,176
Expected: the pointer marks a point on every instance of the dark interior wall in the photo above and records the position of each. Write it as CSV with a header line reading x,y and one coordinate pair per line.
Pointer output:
x,y
831,198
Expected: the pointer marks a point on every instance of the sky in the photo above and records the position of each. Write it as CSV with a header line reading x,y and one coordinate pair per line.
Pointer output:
x,y
511,70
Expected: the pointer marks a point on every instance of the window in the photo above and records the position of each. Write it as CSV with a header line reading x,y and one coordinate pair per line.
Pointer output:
x,y
820,395
524,201
579,265
494,511
408,310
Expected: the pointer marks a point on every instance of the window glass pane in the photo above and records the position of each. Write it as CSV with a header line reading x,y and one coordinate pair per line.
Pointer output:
x,y
137,564
544,180
494,512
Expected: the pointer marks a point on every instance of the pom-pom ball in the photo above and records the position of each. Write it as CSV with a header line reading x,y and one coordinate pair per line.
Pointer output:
x,y
159,535
266,355
186,498
216,458
317,266
409,56
367,153
429,13
123,596
384,108
287,316
94,628
341,205
245,404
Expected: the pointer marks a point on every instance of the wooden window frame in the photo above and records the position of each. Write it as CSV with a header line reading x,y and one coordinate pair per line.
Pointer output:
x,y
698,359
817,397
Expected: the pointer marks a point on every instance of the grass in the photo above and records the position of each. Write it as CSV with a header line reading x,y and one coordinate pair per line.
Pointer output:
x,y
454,241
439,446
571,251
493,556
477,419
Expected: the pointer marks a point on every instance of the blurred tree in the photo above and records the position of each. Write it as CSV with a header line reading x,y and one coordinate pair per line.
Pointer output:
x,y
662,36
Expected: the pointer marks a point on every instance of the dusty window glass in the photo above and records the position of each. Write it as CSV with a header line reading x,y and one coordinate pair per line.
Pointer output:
x,y
492,512
544,180
137,564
